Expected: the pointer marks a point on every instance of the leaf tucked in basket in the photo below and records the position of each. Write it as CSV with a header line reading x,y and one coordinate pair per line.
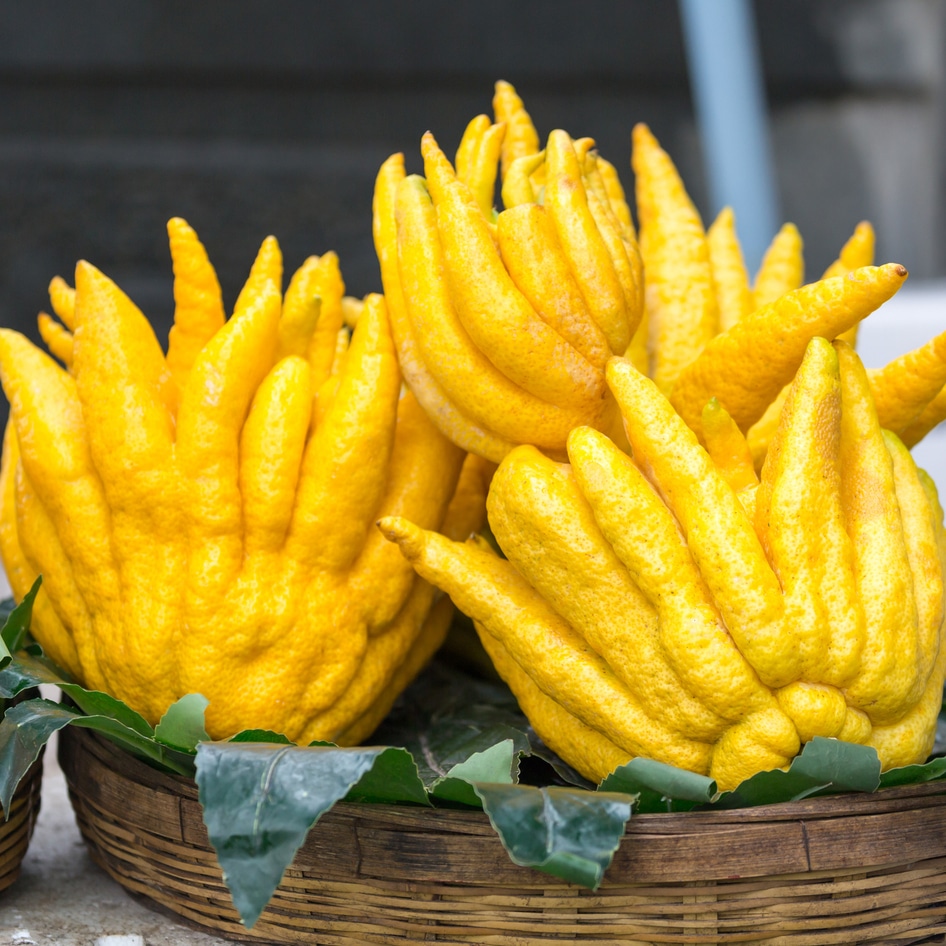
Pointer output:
x,y
260,800
16,623
567,832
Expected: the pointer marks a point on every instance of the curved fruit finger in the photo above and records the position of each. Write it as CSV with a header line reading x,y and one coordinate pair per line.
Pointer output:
x,y
904,386
746,366
617,197
680,299
462,429
220,387
537,265
933,414
918,517
301,308
492,309
629,271
561,731
887,676
62,297
858,251
325,281
124,385
379,578
730,278
466,150
20,574
782,269
271,446
352,445
521,138
585,248
58,340
727,447
54,452
484,170
517,181
720,536
198,302
546,528
801,522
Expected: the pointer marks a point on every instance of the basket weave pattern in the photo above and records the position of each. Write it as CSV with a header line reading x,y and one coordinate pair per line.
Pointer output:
x,y
845,869
16,831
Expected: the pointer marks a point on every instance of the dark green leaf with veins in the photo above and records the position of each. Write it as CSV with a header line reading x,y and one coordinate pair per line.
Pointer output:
x,y
567,832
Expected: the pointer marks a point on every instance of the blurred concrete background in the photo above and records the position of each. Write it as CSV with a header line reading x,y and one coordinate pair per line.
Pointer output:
x,y
251,117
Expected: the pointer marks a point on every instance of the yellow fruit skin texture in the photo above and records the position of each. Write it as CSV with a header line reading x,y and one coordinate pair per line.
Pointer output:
x,y
682,311
204,522
782,268
504,322
747,366
645,606
730,279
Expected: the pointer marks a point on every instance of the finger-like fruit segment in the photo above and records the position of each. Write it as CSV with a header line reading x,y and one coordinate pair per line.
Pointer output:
x,y
733,295
746,366
679,296
782,269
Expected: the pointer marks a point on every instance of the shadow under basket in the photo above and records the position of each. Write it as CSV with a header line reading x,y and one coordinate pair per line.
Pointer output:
x,y
16,831
844,869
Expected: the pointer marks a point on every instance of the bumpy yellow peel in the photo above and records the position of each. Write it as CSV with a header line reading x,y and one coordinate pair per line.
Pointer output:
x,y
204,522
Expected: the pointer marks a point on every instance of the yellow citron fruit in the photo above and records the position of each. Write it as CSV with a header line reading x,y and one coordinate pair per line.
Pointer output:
x,y
649,607
204,521
504,323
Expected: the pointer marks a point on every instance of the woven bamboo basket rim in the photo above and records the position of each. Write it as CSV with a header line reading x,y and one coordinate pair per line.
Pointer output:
x,y
16,831
842,869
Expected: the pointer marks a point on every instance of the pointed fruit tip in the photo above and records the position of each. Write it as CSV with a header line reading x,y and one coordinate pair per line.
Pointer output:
x,y
642,134
399,530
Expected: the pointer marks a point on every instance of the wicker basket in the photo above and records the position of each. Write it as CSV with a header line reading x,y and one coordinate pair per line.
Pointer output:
x,y
845,869
16,831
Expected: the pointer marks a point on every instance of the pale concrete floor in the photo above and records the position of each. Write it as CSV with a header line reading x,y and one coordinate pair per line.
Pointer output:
x,y
63,899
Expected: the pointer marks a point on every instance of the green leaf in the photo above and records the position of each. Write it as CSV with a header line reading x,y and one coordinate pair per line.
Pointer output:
x,y
16,627
182,725
29,670
824,766
6,609
393,779
26,727
566,832
848,767
540,752
928,771
259,802
23,733
496,765
94,703
261,735
660,787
